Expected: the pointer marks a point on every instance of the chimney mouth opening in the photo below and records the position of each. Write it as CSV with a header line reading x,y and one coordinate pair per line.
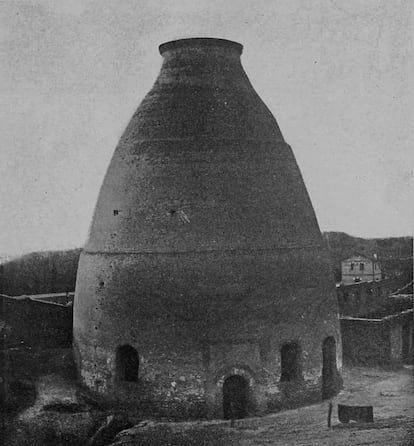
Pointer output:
x,y
201,42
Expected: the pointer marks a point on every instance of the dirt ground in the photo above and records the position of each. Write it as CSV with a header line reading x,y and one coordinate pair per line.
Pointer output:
x,y
390,393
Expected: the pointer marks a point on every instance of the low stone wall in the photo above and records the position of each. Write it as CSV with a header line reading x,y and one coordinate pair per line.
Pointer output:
x,y
29,322
362,298
373,342
364,342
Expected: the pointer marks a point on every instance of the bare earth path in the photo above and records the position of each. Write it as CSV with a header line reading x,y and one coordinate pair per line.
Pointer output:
x,y
390,392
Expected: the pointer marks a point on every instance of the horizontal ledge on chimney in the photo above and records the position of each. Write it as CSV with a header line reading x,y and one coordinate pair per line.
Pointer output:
x,y
200,42
245,250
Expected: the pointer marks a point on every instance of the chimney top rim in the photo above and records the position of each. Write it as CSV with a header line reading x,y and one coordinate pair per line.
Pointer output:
x,y
200,42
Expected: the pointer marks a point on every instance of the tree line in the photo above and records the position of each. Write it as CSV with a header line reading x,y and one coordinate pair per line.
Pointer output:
x,y
40,273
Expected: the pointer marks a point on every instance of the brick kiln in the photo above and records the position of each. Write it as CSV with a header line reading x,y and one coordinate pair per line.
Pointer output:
x,y
205,288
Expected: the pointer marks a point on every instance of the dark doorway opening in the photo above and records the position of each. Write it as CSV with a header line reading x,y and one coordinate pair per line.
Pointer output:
x,y
235,397
329,370
127,363
290,362
407,342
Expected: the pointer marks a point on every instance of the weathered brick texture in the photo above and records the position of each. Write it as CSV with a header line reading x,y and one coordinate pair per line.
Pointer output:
x,y
204,251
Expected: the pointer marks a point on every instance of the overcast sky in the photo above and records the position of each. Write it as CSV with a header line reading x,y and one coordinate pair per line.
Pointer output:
x,y
335,74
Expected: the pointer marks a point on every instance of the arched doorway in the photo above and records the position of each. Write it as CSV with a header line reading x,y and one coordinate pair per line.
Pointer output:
x,y
235,397
127,363
329,370
407,342
290,362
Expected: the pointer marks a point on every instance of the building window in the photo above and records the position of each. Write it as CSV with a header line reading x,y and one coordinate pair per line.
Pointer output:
x,y
352,266
127,363
361,266
290,362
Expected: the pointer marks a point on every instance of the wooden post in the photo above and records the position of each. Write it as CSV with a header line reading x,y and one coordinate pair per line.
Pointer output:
x,y
329,413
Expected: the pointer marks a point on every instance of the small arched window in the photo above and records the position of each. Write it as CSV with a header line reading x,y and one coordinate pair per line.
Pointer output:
x,y
329,370
290,362
127,363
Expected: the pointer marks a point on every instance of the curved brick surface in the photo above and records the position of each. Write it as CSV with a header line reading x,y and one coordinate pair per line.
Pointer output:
x,y
204,252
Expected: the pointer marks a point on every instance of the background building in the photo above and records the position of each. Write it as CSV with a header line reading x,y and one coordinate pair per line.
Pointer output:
x,y
359,268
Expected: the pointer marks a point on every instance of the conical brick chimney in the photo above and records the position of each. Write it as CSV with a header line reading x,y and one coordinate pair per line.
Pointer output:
x,y
204,260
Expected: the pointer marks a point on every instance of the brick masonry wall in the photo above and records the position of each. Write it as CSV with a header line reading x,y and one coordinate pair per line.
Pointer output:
x,y
204,252
189,337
